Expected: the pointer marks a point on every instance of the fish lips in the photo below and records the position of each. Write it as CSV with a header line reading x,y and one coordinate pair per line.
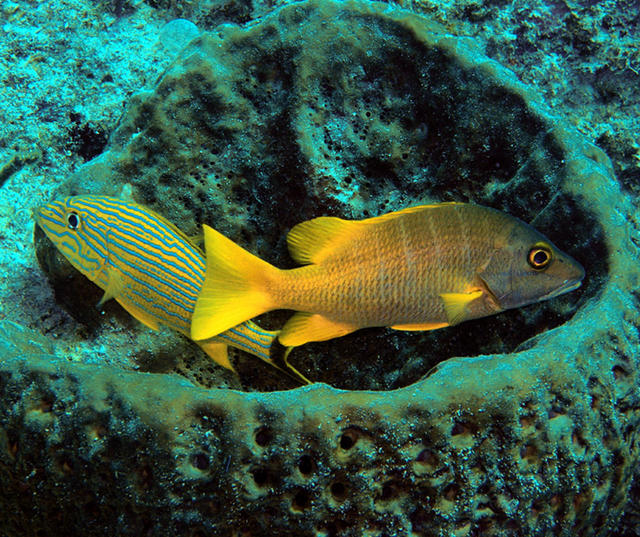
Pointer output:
x,y
568,285
577,274
509,300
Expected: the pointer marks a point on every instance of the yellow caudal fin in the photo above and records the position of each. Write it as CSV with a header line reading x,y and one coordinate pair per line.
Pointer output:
x,y
234,290
314,240
304,327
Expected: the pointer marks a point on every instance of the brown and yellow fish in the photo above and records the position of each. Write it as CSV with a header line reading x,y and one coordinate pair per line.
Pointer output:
x,y
421,268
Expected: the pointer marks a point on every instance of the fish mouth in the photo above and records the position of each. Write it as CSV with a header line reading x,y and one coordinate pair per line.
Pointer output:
x,y
35,213
568,285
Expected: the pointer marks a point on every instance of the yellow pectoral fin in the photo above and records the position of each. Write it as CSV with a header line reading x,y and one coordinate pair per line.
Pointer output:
x,y
115,285
217,351
455,305
418,326
304,327
115,288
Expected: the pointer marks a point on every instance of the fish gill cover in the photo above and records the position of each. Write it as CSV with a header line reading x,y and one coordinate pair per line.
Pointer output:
x,y
254,129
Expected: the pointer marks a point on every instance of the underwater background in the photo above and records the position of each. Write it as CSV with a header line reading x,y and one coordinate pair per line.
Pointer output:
x,y
253,117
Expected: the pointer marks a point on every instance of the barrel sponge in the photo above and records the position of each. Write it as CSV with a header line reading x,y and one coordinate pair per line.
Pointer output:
x,y
254,129
527,426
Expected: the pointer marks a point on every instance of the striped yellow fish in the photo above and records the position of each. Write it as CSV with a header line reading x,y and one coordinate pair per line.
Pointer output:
x,y
145,263
421,268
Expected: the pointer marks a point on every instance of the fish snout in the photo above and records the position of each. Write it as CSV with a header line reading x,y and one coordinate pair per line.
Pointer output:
x,y
574,271
567,285
39,214
35,213
570,274
49,215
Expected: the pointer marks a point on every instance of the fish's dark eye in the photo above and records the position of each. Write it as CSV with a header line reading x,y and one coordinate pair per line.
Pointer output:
x,y
73,220
539,257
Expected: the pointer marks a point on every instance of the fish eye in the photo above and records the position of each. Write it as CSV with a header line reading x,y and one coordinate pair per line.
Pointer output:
x,y
539,257
73,221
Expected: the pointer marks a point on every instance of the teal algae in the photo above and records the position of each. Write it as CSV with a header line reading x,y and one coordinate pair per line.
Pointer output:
x,y
538,438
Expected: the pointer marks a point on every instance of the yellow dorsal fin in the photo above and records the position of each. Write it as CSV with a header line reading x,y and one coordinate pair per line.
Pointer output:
x,y
197,240
315,240
455,305
312,241
419,326
217,351
115,285
304,327
408,210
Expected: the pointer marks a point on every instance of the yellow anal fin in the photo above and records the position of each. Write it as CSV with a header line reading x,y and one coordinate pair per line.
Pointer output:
x,y
455,305
255,340
283,366
292,371
259,342
419,326
304,327
143,316
217,351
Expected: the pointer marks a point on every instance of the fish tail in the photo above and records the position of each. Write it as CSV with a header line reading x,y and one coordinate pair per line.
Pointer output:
x,y
235,288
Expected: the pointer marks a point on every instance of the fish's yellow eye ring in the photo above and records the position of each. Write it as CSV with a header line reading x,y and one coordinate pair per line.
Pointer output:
x,y
539,257
73,220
